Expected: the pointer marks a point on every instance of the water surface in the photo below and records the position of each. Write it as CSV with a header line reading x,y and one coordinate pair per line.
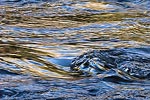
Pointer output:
x,y
39,39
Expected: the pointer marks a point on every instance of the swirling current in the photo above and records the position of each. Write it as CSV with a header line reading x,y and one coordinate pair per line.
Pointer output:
x,y
75,49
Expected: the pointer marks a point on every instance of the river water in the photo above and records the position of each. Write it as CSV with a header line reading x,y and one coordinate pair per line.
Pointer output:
x,y
39,39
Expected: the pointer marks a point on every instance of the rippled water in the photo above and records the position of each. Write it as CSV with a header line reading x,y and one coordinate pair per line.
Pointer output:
x,y
39,39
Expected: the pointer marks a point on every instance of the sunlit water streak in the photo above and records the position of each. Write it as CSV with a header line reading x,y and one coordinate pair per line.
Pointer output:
x,y
41,37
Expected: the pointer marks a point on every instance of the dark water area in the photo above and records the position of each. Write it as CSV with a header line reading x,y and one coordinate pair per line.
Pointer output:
x,y
40,38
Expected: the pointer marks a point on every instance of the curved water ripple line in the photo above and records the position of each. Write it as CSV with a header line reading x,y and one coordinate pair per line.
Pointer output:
x,y
19,59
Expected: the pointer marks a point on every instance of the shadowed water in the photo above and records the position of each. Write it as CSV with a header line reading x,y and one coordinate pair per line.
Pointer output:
x,y
40,38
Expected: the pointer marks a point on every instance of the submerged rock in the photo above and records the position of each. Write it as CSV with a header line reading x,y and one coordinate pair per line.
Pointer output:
x,y
129,62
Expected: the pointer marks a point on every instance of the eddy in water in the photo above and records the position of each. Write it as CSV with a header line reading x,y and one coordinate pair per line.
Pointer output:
x,y
128,62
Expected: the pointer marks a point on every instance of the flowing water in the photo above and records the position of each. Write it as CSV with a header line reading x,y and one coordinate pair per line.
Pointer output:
x,y
39,39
